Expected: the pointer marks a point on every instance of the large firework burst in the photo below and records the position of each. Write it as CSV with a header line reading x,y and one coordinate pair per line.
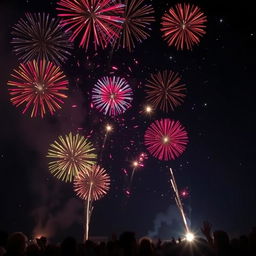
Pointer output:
x,y
166,139
40,37
165,91
183,25
71,154
96,19
39,85
92,184
137,20
112,95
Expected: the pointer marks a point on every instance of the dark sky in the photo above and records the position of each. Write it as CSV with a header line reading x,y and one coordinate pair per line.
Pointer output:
x,y
217,167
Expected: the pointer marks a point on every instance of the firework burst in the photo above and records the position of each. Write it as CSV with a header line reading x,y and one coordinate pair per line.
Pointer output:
x,y
71,154
96,20
92,184
112,95
39,85
137,20
40,37
183,25
166,139
165,91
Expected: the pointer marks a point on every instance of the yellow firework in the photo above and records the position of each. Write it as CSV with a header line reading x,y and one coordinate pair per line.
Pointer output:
x,y
71,154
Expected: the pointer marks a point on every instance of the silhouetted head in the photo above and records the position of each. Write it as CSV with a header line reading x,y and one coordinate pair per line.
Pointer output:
x,y
69,246
145,247
16,244
221,239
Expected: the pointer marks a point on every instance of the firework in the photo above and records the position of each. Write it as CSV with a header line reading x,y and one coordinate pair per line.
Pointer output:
x,y
183,25
166,139
92,20
165,91
178,202
40,37
91,185
137,20
112,95
39,85
71,154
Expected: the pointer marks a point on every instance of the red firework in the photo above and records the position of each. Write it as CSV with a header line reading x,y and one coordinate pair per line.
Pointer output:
x,y
165,91
183,25
92,184
97,19
112,95
38,85
166,139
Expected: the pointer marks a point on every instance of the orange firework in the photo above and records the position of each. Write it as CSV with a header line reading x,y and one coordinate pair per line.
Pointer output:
x,y
165,91
39,85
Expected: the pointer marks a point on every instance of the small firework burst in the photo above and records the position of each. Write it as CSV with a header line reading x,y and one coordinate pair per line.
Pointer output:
x,y
91,20
71,154
183,26
112,95
137,20
92,184
39,85
37,36
166,139
165,91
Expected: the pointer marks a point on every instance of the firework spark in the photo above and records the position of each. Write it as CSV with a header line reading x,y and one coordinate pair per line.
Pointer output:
x,y
165,91
71,154
93,20
137,20
39,85
112,95
40,37
166,139
93,183
183,25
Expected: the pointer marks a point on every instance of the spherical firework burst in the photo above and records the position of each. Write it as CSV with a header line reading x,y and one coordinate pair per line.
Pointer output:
x,y
166,139
165,91
40,37
183,25
96,19
39,85
92,184
71,154
137,20
112,95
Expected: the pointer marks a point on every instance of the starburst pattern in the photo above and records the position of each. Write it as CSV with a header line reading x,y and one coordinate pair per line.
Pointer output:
x,y
112,95
137,20
71,154
92,20
183,25
39,85
92,184
37,36
165,91
166,139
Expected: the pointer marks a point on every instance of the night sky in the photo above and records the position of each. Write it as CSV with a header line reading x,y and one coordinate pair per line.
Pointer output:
x,y
219,114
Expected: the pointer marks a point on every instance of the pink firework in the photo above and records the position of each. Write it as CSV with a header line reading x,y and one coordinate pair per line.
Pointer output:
x,y
112,95
92,20
92,184
166,139
39,85
183,25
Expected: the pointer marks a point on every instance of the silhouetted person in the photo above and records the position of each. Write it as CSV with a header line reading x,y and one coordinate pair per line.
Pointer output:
x,y
16,245
145,247
128,243
69,247
3,242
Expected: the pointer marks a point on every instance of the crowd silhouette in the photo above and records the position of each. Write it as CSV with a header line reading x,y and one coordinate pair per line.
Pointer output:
x,y
215,243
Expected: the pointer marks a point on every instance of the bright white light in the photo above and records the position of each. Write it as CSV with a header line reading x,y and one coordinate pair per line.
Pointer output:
x,y
135,163
148,109
108,128
190,237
